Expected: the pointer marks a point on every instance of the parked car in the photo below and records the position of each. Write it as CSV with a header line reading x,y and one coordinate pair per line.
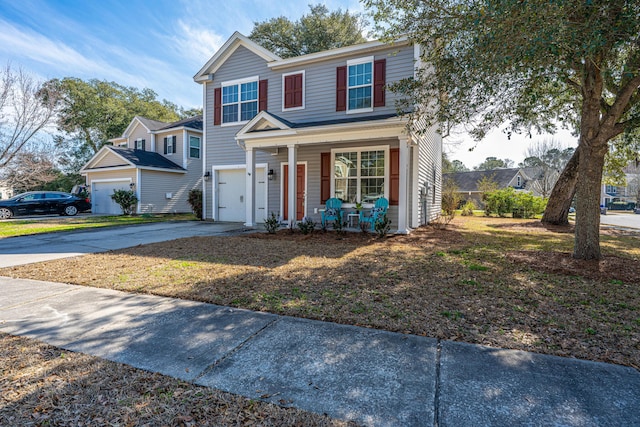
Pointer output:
x,y
43,203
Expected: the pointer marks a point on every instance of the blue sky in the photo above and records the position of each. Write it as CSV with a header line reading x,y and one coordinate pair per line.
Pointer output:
x,y
161,44
158,44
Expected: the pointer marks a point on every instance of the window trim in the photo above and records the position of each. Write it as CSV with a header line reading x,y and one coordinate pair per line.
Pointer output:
x,y
135,144
357,61
199,146
359,150
304,92
238,82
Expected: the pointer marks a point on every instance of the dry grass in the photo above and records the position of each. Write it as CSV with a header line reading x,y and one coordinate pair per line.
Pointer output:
x,y
499,282
44,386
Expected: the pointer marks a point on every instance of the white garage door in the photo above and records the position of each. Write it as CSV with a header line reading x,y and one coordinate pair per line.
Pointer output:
x,y
101,201
231,195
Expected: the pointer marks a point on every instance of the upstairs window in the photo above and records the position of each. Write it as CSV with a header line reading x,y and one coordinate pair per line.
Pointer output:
x,y
194,147
239,100
360,84
139,144
170,145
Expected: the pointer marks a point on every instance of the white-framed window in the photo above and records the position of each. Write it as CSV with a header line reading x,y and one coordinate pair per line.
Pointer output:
x,y
170,145
194,147
518,181
293,92
239,100
611,189
360,174
139,144
360,84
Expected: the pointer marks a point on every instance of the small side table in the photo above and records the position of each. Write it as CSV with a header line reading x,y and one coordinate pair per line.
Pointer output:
x,y
351,217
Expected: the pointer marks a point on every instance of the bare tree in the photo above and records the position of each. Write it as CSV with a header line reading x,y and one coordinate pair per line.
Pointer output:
x,y
26,107
29,169
547,158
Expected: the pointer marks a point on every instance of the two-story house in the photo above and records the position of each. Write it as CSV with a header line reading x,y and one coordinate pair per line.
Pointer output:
x,y
331,115
160,161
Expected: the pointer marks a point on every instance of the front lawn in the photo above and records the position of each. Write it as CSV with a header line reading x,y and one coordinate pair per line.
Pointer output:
x,y
38,226
495,281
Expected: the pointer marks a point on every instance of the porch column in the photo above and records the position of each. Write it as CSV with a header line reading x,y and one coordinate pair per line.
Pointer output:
x,y
185,148
403,196
293,172
250,195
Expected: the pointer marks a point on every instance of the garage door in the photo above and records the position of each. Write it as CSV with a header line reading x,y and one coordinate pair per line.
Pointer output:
x,y
101,197
231,195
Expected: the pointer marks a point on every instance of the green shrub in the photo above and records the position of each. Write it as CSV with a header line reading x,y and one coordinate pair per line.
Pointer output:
x,y
271,224
499,202
127,200
382,225
338,226
307,225
468,208
195,200
518,203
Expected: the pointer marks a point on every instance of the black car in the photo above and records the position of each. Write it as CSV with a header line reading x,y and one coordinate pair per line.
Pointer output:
x,y
43,203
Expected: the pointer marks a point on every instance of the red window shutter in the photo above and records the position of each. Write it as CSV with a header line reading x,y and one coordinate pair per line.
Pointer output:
x,y
262,95
341,88
379,77
298,88
394,176
217,106
293,91
325,177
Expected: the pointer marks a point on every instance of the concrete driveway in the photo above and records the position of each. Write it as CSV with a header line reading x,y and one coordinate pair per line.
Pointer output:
x,y
44,247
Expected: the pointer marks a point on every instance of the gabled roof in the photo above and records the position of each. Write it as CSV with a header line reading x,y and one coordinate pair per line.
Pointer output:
x,y
155,125
132,158
468,181
190,122
235,41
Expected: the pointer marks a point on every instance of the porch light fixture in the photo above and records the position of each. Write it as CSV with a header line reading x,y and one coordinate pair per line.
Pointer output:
x,y
133,184
271,175
207,174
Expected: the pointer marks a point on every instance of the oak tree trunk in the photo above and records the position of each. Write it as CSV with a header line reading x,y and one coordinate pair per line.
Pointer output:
x,y
587,237
557,210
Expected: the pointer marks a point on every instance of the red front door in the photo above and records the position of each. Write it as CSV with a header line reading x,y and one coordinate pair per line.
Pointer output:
x,y
300,191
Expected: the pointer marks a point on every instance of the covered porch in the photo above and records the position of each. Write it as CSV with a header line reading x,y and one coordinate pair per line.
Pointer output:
x,y
384,162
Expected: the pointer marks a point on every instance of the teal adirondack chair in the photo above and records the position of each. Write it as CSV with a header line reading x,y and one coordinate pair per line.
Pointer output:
x,y
378,211
332,211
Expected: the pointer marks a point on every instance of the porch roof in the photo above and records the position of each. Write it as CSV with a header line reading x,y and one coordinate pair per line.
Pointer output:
x,y
269,130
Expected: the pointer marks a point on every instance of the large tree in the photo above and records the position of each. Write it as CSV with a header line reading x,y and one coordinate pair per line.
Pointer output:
x,y
92,112
491,163
314,32
26,107
529,66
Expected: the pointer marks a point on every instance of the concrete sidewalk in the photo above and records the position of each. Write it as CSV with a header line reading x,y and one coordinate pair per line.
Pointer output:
x,y
374,377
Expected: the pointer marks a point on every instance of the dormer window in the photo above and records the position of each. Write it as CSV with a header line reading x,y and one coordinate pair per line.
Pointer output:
x,y
139,144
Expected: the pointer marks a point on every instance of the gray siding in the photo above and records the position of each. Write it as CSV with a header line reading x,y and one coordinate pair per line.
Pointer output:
x,y
154,186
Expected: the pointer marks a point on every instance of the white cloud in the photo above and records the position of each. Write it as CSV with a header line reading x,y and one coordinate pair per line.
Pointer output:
x,y
196,44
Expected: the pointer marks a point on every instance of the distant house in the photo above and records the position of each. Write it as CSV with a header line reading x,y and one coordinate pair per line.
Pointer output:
x,y
624,196
517,178
160,161
5,191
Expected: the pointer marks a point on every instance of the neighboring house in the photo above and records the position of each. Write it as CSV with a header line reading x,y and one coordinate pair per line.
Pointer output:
x,y
520,179
621,195
330,114
160,161
5,192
